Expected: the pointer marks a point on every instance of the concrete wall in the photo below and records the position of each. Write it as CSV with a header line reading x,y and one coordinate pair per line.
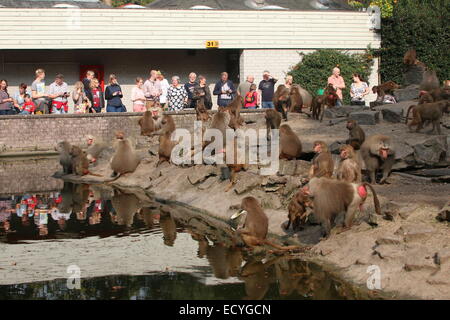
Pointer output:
x,y
43,132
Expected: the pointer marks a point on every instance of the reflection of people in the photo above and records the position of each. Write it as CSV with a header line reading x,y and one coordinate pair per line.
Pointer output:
x,y
338,83
358,90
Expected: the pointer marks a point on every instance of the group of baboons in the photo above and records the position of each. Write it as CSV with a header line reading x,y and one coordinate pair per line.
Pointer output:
x,y
325,193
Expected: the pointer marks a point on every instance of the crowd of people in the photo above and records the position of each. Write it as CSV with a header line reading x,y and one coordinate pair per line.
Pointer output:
x,y
88,96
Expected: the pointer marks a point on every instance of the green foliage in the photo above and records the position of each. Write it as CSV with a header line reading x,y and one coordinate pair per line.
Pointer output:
x,y
419,24
313,71
118,3
386,6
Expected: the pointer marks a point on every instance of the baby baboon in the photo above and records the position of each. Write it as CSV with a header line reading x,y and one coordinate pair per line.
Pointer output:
x,y
356,135
322,163
290,144
427,112
254,231
430,81
378,153
125,159
349,169
281,100
331,197
147,124
65,159
165,143
296,100
297,209
273,121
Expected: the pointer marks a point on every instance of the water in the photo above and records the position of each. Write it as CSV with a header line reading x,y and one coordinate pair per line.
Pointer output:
x,y
129,249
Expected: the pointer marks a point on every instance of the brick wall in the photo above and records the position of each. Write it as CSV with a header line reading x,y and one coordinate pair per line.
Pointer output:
x,y
43,132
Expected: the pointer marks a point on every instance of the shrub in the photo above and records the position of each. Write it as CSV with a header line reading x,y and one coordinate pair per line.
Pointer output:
x,y
315,68
419,24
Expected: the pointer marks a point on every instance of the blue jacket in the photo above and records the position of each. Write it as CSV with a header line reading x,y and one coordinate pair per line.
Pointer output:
x,y
113,101
218,89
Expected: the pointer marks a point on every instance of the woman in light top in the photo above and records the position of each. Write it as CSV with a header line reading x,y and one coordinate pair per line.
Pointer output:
x,y
164,88
358,90
137,96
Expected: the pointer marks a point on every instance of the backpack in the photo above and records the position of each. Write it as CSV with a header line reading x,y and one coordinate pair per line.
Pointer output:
x,y
249,97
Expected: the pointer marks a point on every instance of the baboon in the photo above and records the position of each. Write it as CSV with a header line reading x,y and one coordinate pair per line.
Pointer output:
x,y
80,162
356,135
425,97
202,112
168,227
434,95
65,159
322,163
238,165
297,209
234,109
290,144
430,81
331,197
410,57
295,100
126,206
147,124
388,87
125,159
165,143
94,149
273,121
427,112
378,153
281,100
220,121
306,96
225,261
349,169
326,100
254,231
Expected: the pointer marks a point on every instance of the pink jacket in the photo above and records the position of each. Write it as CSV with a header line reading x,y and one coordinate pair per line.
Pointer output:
x,y
338,83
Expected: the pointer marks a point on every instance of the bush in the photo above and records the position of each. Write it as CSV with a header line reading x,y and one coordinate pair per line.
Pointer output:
x,y
419,24
315,68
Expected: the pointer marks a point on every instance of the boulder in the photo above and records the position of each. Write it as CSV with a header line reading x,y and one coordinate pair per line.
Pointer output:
x,y
409,93
389,239
302,168
333,122
246,183
333,113
442,256
334,147
444,214
393,115
413,75
418,259
388,252
429,150
415,232
200,173
365,117
287,167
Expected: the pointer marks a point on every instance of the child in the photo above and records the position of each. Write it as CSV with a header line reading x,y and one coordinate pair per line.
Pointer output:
x,y
28,107
251,98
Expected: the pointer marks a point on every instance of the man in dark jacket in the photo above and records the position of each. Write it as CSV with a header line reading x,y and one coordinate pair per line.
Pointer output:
x,y
202,94
224,90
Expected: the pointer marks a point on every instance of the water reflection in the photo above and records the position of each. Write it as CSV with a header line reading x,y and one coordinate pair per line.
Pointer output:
x,y
79,211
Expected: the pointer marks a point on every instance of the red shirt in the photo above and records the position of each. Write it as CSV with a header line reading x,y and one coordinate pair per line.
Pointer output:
x,y
251,99
96,96
29,106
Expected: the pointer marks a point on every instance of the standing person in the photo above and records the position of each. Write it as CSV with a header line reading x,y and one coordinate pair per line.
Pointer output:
x,y
267,89
190,86
245,86
87,81
224,90
58,91
95,96
137,96
338,83
176,95
358,90
38,92
152,90
80,100
164,87
202,94
19,97
113,96
6,102
251,98
288,81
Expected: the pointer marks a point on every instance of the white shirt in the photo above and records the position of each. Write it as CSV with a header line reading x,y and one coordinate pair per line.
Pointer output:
x,y
164,87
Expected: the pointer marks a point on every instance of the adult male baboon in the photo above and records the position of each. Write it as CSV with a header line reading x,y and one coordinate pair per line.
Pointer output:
x,y
125,159
290,144
322,163
427,112
254,231
356,135
281,100
65,159
273,121
295,100
331,197
378,153
349,169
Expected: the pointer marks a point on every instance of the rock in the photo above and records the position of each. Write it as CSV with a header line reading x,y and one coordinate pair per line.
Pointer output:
x,y
208,183
365,117
287,167
292,184
388,252
409,93
333,113
389,240
414,232
429,150
442,256
155,174
413,75
440,278
247,183
444,214
153,150
200,173
271,201
419,259
276,180
392,115
302,168
333,122
335,146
